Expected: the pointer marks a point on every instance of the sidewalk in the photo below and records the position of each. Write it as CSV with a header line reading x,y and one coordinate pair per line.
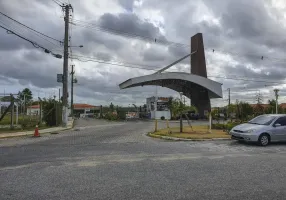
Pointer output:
x,y
42,131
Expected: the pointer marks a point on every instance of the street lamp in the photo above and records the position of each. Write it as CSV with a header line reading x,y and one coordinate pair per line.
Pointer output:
x,y
276,96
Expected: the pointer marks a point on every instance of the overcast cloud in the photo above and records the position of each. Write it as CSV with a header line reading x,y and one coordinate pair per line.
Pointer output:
x,y
244,40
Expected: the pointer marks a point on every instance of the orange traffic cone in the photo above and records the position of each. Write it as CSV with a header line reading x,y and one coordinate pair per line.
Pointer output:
x,y
36,133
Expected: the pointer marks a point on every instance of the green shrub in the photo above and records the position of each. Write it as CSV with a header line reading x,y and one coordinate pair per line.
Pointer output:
x,y
121,115
110,116
219,126
227,126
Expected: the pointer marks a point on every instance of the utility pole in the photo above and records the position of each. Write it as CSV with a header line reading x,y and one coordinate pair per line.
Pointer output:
x,y
59,95
72,82
276,96
66,9
12,111
228,96
228,102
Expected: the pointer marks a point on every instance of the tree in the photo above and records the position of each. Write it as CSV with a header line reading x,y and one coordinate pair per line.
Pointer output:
x,y
169,104
6,98
272,106
245,110
258,98
176,107
25,95
258,109
51,112
231,109
111,107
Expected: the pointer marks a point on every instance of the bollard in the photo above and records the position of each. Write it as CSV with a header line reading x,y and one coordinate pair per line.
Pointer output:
x,y
156,125
210,123
167,124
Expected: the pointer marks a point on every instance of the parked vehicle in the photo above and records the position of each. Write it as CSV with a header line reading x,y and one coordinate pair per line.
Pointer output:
x,y
191,116
262,129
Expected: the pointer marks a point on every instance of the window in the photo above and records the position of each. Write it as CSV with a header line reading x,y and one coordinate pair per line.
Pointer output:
x,y
281,120
262,120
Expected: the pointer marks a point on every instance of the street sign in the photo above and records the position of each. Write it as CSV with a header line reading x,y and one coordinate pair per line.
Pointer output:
x,y
59,78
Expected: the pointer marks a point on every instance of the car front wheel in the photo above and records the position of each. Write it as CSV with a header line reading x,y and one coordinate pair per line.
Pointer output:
x,y
263,139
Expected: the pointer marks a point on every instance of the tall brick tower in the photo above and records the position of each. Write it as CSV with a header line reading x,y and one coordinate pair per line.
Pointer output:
x,y
199,95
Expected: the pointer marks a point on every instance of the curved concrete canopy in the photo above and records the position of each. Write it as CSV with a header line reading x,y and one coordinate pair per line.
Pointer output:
x,y
178,81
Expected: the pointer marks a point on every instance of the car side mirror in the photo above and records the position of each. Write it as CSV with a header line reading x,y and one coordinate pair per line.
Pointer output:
x,y
277,125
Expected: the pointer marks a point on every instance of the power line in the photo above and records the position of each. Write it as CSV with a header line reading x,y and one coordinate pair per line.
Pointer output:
x,y
160,41
126,34
128,63
58,2
32,42
21,29
115,64
137,67
30,28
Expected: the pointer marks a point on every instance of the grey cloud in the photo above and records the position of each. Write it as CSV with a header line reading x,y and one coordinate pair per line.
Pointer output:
x,y
245,29
127,4
103,56
155,55
130,23
92,39
25,68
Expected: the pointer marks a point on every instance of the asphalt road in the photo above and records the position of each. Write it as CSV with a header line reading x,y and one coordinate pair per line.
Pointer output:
x,y
116,161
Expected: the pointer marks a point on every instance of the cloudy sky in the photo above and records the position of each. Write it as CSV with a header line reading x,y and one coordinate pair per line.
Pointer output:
x,y
237,34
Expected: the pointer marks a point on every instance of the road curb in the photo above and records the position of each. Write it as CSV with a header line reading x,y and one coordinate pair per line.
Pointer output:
x,y
152,135
31,134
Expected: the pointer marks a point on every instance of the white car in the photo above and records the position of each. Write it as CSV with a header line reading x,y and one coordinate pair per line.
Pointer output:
x,y
262,129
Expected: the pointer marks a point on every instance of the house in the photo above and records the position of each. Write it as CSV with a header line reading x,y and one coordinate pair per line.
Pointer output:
x,y
33,110
82,110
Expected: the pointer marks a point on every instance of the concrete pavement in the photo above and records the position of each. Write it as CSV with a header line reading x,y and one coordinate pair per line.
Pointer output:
x,y
117,161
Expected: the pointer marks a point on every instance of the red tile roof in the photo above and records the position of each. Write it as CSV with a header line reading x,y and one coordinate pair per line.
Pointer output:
x,y
82,106
34,106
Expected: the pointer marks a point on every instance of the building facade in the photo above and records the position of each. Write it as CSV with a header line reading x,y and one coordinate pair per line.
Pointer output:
x,y
33,110
85,110
159,109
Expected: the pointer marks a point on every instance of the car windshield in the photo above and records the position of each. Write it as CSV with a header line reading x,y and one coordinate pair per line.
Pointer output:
x,y
262,120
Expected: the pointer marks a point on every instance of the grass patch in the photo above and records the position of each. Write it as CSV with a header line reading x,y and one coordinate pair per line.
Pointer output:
x,y
21,119
198,132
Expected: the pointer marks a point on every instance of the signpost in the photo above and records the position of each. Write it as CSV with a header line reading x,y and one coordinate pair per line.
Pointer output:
x,y
59,78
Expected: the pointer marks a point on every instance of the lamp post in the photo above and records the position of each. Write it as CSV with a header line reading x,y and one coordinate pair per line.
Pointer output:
x,y
276,97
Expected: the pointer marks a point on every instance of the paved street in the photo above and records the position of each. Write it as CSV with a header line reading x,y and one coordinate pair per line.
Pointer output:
x,y
117,161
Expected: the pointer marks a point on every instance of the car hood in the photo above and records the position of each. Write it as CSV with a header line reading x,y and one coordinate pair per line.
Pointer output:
x,y
247,126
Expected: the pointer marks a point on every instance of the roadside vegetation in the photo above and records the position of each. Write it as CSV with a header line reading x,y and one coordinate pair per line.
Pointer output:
x,y
195,132
51,113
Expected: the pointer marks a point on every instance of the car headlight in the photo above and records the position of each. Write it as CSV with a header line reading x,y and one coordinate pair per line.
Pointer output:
x,y
249,131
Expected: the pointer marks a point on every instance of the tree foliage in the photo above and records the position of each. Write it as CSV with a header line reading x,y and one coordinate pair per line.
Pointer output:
x,y
51,112
176,107
111,107
25,96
